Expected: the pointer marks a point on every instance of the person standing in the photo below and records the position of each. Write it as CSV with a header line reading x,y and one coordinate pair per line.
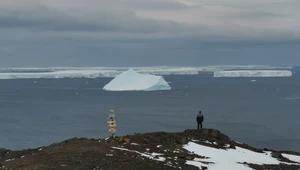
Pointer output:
x,y
200,119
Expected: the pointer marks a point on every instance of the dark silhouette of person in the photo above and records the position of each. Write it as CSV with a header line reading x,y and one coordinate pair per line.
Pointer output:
x,y
200,119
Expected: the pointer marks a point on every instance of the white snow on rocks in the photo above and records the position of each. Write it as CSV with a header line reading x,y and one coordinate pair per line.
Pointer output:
x,y
130,80
293,158
229,159
217,159
150,156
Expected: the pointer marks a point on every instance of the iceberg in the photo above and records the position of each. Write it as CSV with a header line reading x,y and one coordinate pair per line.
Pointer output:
x,y
130,80
254,73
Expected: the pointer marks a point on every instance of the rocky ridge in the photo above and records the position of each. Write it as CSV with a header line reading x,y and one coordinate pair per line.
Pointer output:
x,y
148,151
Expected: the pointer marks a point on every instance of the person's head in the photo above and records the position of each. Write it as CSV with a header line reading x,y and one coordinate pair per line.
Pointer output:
x,y
200,111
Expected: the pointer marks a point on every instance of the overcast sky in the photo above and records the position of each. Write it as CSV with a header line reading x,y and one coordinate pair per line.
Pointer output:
x,y
148,32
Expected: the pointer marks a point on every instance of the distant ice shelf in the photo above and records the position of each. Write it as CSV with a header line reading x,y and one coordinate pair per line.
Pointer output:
x,y
254,73
60,74
96,72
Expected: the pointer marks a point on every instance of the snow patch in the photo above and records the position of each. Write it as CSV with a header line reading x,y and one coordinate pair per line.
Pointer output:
x,y
109,155
195,140
227,145
9,160
130,80
293,158
151,156
228,159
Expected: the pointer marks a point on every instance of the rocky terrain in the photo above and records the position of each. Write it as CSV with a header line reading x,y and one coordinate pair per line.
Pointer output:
x,y
188,150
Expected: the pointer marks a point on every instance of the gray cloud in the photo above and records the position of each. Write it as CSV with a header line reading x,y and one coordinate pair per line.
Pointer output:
x,y
62,32
164,17
43,18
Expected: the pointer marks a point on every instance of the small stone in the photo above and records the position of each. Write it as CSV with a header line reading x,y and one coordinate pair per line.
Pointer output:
x,y
204,168
121,140
189,157
276,155
232,146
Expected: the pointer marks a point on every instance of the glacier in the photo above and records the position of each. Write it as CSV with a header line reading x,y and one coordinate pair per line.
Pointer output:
x,y
254,73
130,80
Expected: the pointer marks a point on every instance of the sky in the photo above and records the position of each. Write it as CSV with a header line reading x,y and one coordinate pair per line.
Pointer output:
x,y
46,33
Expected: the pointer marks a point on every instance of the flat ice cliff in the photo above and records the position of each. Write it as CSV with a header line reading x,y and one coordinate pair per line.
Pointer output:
x,y
254,73
133,81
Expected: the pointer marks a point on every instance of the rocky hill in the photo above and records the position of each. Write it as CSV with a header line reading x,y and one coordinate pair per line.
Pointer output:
x,y
188,150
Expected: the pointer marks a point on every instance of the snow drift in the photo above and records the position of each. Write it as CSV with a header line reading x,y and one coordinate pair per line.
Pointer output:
x,y
133,81
254,73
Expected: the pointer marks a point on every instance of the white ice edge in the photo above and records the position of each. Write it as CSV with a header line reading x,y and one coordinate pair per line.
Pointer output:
x,y
291,98
254,73
95,72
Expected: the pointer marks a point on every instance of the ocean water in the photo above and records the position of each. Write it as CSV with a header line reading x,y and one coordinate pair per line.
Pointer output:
x,y
39,112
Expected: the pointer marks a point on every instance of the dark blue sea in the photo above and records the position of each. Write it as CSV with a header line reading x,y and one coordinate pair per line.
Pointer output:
x,y
263,113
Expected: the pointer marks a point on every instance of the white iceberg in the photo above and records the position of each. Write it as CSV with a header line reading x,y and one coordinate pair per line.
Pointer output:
x,y
133,81
254,73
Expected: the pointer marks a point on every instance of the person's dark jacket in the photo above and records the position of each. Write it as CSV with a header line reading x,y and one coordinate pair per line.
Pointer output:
x,y
200,118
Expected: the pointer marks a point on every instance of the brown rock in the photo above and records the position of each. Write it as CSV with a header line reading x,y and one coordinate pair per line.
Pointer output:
x,y
276,155
232,146
121,139
127,140
181,139
188,157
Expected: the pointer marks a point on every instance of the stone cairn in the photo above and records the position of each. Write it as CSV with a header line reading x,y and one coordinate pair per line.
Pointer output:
x,y
111,123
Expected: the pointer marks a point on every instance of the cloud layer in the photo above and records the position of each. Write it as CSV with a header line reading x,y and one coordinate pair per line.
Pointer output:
x,y
34,29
